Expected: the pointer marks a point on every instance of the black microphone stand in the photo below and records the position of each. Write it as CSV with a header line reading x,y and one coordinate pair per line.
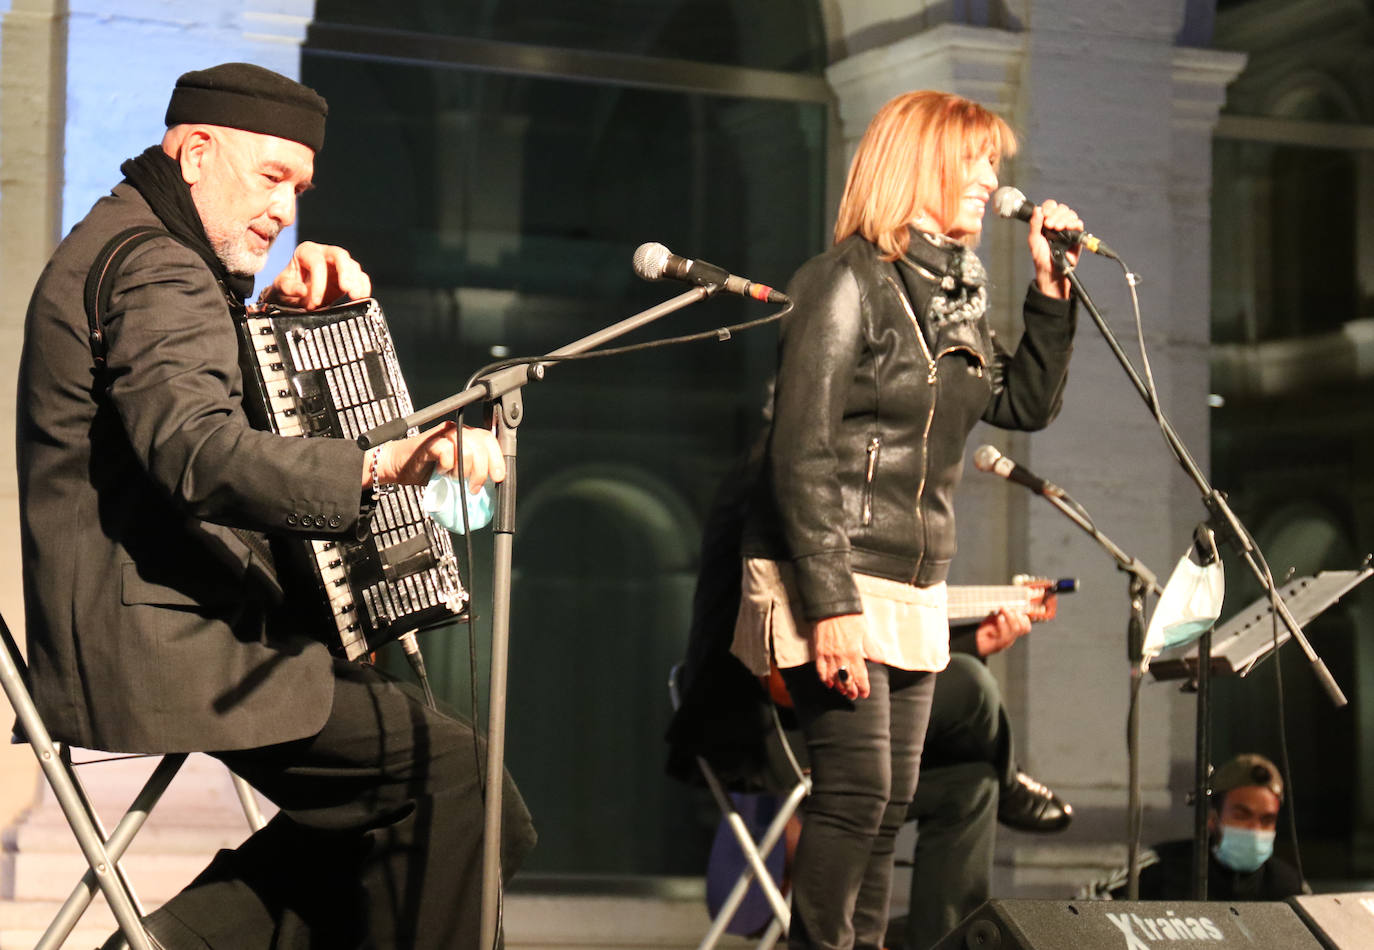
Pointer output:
x,y
502,389
1221,518
1141,582
1224,523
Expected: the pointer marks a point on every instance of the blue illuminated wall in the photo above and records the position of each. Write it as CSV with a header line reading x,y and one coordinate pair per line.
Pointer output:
x,y
122,66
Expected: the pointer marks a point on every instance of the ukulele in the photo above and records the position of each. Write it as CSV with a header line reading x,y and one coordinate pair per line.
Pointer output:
x,y
1034,595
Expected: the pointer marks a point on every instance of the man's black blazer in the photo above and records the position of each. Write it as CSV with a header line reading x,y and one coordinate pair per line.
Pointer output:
x,y
148,626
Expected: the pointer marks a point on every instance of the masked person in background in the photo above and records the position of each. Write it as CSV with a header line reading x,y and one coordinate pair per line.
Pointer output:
x,y
1247,793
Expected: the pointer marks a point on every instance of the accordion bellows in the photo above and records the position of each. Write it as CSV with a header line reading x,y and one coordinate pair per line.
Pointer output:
x,y
333,373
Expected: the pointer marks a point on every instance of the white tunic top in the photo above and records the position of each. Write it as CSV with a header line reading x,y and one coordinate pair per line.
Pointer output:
x,y
908,626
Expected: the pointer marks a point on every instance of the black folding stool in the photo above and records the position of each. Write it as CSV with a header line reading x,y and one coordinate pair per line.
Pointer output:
x,y
102,851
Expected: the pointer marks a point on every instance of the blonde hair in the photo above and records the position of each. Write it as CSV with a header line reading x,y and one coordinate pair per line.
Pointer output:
x,y
911,160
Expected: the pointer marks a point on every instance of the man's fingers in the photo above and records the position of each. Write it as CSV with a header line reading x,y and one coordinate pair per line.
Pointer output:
x,y
482,459
347,275
1018,623
352,279
315,274
496,467
476,465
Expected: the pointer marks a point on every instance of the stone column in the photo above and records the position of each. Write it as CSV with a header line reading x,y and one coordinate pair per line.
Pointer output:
x,y
32,94
1118,122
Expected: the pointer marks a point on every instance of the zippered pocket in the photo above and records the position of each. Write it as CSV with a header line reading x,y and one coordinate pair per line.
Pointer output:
x,y
875,446
977,361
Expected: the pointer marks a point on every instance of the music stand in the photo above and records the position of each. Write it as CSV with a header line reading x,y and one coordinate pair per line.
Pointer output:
x,y
1248,637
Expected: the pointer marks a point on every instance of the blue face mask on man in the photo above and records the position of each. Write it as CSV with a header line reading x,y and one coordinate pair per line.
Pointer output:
x,y
1244,849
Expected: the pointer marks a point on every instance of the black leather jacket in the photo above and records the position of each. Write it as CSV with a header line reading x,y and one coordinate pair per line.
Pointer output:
x,y
869,418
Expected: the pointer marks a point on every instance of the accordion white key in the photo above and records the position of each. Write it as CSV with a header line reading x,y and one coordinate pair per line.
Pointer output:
x,y
333,373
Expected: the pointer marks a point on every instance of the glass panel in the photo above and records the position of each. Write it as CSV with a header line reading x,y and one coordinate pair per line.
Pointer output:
x,y
1285,235
1291,297
505,211
500,215
780,34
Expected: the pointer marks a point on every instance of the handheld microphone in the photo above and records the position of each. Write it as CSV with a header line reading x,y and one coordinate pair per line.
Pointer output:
x,y
1010,203
655,262
987,459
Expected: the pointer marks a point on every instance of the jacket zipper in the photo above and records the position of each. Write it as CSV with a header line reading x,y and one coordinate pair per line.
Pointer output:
x,y
930,418
875,445
978,358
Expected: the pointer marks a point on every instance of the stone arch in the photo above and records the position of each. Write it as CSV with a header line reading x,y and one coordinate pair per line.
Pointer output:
x,y
670,527
1313,96
592,638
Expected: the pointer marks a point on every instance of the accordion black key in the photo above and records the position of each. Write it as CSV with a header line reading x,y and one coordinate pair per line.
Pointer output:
x,y
333,373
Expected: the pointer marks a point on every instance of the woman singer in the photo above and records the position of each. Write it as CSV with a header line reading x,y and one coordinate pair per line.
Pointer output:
x,y
884,367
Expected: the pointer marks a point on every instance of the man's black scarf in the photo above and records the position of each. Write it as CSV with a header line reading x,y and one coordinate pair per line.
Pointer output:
x,y
157,176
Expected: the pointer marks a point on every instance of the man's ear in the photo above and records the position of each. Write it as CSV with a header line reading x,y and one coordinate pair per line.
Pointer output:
x,y
194,153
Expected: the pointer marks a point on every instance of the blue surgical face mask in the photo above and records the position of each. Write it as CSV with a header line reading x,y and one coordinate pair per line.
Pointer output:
x,y
445,497
1244,849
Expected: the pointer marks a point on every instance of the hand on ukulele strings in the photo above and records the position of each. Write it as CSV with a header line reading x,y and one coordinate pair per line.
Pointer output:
x,y
318,274
1001,629
413,460
838,643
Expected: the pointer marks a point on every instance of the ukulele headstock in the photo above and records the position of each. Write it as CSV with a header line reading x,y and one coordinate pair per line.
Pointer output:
x,y
1042,601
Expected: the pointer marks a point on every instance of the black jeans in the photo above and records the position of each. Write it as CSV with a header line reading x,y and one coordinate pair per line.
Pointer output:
x,y
865,756
378,843
967,759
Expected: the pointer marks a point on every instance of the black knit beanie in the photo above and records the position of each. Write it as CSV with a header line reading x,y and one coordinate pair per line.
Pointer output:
x,y
248,97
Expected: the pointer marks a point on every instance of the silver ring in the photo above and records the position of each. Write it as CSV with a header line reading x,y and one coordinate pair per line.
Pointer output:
x,y
842,675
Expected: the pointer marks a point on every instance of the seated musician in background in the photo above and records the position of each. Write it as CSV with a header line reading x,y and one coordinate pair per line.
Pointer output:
x,y
970,783
156,619
1242,820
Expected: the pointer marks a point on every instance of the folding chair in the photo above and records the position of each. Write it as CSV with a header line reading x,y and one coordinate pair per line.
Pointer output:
x,y
753,851
102,851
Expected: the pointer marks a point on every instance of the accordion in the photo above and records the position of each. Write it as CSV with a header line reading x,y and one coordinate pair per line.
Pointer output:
x,y
333,373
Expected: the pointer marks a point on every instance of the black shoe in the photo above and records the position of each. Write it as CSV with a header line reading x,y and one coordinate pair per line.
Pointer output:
x,y
1029,806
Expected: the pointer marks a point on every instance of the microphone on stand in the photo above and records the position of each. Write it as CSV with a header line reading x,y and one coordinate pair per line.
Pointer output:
x,y
655,262
1011,203
987,459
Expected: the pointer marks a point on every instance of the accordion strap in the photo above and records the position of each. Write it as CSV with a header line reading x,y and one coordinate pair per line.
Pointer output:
x,y
98,290
96,297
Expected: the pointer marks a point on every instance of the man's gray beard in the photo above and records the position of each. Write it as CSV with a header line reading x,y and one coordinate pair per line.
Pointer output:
x,y
237,259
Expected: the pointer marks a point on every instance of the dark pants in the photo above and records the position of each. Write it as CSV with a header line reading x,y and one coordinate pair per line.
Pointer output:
x,y
378,843
966,762
864,759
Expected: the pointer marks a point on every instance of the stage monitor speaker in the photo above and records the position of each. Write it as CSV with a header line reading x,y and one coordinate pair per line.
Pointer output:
x,y
1130,925
1340,921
